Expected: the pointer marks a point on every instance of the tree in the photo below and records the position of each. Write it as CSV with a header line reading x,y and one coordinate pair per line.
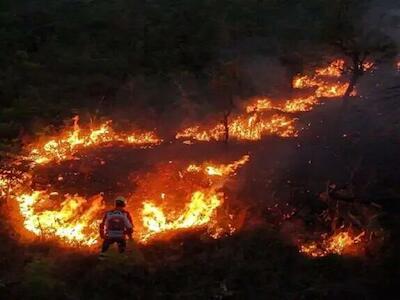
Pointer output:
x,y
225,85
358,41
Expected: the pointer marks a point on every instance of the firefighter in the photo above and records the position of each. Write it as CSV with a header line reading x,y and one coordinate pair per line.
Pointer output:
x,y
116,225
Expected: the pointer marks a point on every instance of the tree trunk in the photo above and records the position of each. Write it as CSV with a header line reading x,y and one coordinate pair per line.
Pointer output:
x,y
226,127
357,72
353,81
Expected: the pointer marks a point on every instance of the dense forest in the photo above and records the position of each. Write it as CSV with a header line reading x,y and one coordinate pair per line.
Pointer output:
x,y
165,64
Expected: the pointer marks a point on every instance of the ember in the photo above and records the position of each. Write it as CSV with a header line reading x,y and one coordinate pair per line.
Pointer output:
x,y
343,242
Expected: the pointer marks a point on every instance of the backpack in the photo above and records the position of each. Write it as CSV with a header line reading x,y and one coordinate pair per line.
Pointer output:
x,y
115,224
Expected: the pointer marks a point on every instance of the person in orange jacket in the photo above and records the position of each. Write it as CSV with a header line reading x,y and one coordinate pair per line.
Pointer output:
x,y
116,225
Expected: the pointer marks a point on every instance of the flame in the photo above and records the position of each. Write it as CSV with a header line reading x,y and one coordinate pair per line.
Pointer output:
x,y
253,124
260,105
324,88
343,242
219,170
199,184
69,141
248,127
335,69
299,104
3,186
198,212
76,222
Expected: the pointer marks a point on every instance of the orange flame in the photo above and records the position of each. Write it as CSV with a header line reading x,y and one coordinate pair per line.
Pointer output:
x,y
343,242
219,170
75,220
253,125
324,88
70,141
198,212
248,127
300,104
202,206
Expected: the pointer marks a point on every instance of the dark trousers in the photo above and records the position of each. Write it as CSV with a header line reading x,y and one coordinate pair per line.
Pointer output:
x,y
108,242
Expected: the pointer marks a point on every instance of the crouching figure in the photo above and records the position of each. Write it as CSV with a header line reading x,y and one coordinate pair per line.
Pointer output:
x,y
116,225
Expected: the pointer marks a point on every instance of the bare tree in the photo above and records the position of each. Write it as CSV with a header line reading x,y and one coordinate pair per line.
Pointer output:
x,y
358,41
225,86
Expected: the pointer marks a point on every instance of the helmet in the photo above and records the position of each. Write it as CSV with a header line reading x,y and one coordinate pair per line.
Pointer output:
x,y
120,201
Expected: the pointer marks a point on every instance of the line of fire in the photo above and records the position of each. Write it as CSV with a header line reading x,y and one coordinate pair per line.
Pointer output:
x,y
60,185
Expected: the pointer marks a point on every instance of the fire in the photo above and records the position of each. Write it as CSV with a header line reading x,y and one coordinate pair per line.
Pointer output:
x,y
343,242
219,170
173,197
260,105
76,222
322,82
198,212
3,186
199,184
254,123
249,127
73,220
299,104
69,141
335,69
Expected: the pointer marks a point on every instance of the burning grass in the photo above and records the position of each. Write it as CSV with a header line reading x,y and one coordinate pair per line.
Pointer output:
x,y
70,141
174,196
256,121
189,199
343,242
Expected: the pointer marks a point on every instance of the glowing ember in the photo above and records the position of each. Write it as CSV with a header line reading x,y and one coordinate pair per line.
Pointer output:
x,y
340,243
70,141
368,66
